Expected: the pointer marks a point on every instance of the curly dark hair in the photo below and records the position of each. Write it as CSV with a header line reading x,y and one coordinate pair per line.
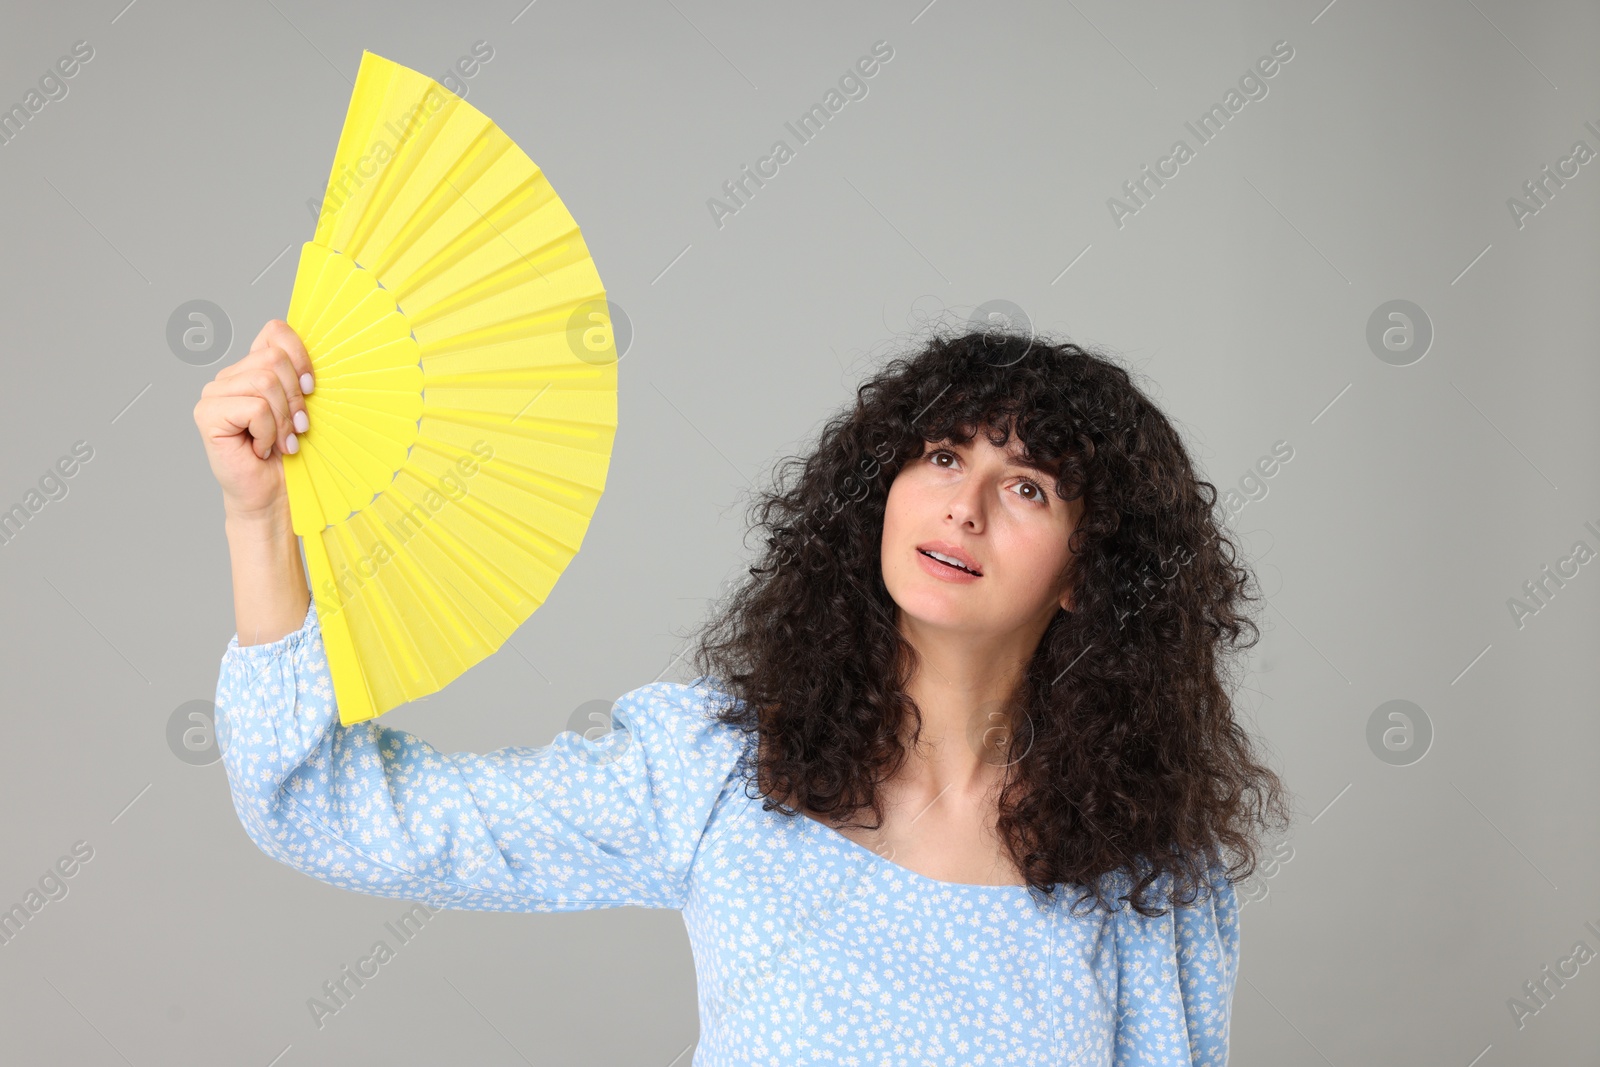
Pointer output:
x,y
1127,757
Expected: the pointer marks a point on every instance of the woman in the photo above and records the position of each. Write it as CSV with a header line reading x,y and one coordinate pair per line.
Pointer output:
x,y
992,612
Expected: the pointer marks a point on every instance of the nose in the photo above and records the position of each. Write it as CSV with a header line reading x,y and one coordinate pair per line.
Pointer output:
x,y
965,506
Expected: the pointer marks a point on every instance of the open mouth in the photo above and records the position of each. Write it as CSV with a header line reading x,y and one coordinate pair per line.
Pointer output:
x,y
949,561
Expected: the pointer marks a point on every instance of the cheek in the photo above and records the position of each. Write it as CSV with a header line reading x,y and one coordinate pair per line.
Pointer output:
x,y
894,516
1039,549
901,504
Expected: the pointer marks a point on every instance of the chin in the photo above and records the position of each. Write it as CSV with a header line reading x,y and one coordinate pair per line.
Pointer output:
x,y
930,608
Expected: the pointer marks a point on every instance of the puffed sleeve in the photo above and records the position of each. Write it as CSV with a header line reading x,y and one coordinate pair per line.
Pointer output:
x,y
576,824
1175,979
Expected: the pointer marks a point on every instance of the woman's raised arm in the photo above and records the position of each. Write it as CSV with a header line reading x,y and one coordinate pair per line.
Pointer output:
x,y
576,824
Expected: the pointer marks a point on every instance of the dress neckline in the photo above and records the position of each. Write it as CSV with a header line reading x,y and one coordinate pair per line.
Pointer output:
x,y
883,862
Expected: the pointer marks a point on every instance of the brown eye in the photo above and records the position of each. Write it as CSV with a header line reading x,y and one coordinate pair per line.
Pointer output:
x,y
1040,497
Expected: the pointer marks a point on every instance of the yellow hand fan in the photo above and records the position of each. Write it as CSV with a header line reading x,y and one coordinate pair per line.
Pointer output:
x,y
461,425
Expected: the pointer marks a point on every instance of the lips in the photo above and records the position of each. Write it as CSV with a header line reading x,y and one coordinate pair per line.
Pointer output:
x,y
955,552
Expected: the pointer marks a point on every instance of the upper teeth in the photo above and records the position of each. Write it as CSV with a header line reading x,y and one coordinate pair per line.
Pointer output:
x,y
942,558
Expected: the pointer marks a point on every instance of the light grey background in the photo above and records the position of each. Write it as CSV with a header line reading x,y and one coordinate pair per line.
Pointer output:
x,y
1419,499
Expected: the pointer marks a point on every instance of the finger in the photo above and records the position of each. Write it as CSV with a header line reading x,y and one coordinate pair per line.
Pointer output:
x,y
260,380
229,416
280,333
281,364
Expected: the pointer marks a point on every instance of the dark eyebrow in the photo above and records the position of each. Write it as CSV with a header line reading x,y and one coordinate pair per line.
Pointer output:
x,y
1013,460
1028,465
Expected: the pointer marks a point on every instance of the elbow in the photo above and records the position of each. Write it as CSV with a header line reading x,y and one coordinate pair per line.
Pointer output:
x,y
265,823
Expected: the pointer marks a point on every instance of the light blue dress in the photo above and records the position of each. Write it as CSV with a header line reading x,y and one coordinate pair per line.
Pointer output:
x,y
808,947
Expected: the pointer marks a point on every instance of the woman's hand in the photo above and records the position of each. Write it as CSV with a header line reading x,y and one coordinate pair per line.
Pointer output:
x,y
250,413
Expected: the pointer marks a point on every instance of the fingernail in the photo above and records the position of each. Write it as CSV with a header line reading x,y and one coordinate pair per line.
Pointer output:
x,y
307,385
301,421
290,445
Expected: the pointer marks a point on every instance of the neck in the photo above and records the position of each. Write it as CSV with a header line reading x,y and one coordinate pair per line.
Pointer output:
x,y
963,688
